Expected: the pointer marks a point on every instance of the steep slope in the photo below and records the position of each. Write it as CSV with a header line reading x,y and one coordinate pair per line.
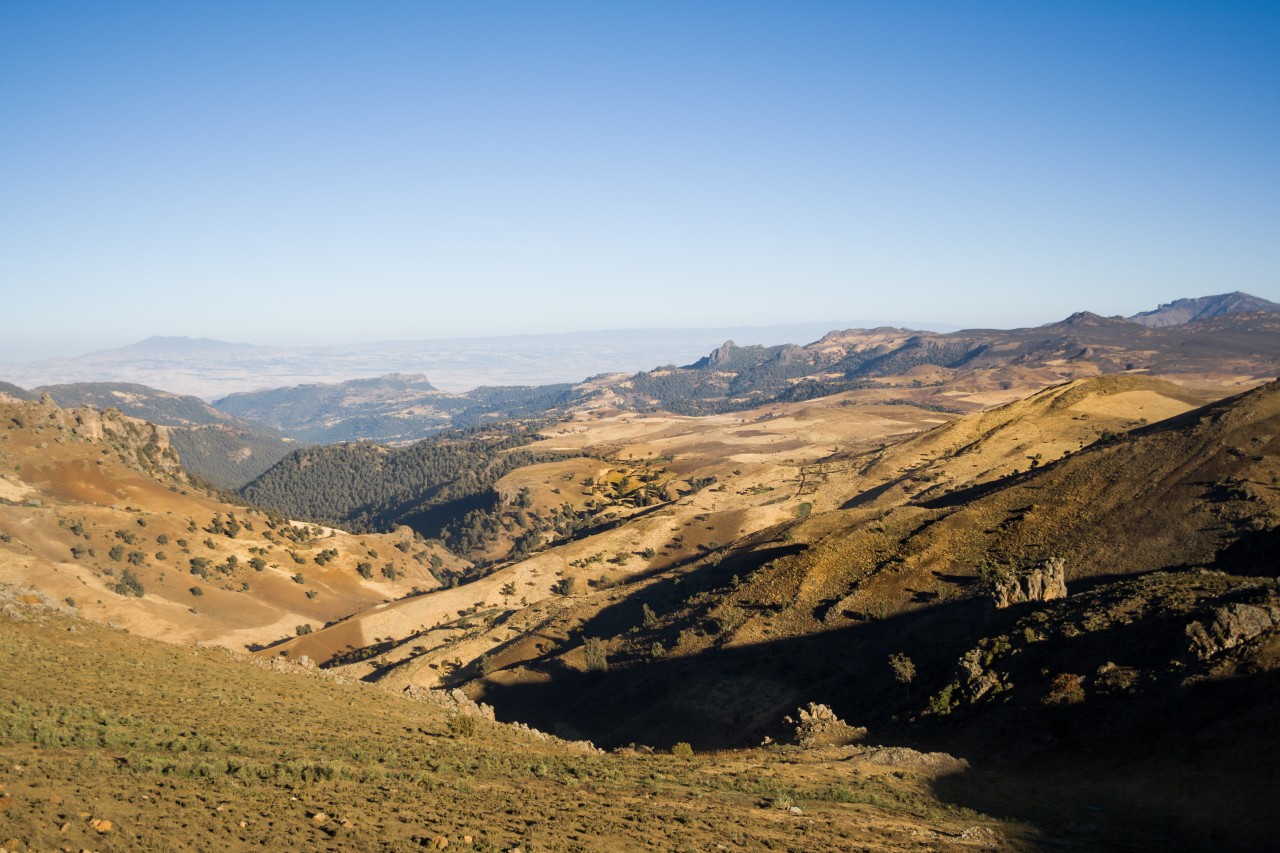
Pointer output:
x,y
1175,493
95,509
224,450
10,390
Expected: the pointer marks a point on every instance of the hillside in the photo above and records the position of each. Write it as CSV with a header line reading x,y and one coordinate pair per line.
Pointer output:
x,y
780,464
95,510
224,450
154,747
392,409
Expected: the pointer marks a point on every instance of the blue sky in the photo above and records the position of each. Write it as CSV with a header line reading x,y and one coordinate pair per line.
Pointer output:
x,y
310,172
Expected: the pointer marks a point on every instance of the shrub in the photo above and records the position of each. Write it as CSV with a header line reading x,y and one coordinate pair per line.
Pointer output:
x,y
460,725
597,660
196,591
904,669
298,578
683,750
129,584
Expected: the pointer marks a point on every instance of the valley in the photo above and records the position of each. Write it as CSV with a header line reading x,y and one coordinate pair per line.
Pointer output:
x,y
1022,585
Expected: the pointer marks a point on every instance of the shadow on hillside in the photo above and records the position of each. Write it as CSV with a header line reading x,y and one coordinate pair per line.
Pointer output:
x,y
734,696
1196,772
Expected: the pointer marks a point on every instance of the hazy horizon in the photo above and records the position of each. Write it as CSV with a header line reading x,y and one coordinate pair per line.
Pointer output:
x,y
297,174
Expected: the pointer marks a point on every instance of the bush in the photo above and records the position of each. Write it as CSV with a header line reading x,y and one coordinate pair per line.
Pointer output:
x,y
196,591
683,750
460,725
597,660
129,585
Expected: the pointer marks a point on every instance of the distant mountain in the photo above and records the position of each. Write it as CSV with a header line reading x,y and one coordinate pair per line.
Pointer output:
x,y
393,409
1188,310
180,345
212,369
223,449
903,361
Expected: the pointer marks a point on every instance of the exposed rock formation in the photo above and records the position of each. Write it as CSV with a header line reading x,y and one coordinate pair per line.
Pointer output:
x,y
1232,626
1046,582
818,725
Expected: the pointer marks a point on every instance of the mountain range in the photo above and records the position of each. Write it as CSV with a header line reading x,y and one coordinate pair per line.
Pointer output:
x,y
892,589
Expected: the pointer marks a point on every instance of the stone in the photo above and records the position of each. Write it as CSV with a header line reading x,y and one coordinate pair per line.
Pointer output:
x,y
1046,582
818,725
1232,626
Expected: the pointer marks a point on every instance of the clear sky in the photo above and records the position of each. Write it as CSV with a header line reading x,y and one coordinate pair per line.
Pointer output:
x,y
310,172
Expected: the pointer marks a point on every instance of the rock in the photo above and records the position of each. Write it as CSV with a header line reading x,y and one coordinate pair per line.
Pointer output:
x,y
440,842
978,681
796,810
102,826
901,756
1233,625
818,725
319,818
1046,582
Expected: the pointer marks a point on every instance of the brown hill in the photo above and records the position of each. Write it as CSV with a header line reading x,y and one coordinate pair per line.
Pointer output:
x,y
95,510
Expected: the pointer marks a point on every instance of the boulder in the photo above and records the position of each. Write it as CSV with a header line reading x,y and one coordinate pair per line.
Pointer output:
x,y
1232,626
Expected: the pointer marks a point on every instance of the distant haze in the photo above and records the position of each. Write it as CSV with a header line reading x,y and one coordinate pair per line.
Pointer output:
x,y
303,173
212,369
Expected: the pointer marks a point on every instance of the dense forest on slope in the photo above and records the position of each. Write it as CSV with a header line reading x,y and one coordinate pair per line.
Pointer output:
x,y
441,487
227,457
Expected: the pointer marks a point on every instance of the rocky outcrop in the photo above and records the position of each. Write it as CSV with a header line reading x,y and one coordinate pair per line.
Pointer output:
x,y
1232,626
818,725
1046,582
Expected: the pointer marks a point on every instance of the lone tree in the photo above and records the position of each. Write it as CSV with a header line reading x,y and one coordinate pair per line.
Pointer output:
x,y
904,669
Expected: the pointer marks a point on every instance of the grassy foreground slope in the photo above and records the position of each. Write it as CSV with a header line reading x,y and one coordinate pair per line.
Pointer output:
x,y
113,742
